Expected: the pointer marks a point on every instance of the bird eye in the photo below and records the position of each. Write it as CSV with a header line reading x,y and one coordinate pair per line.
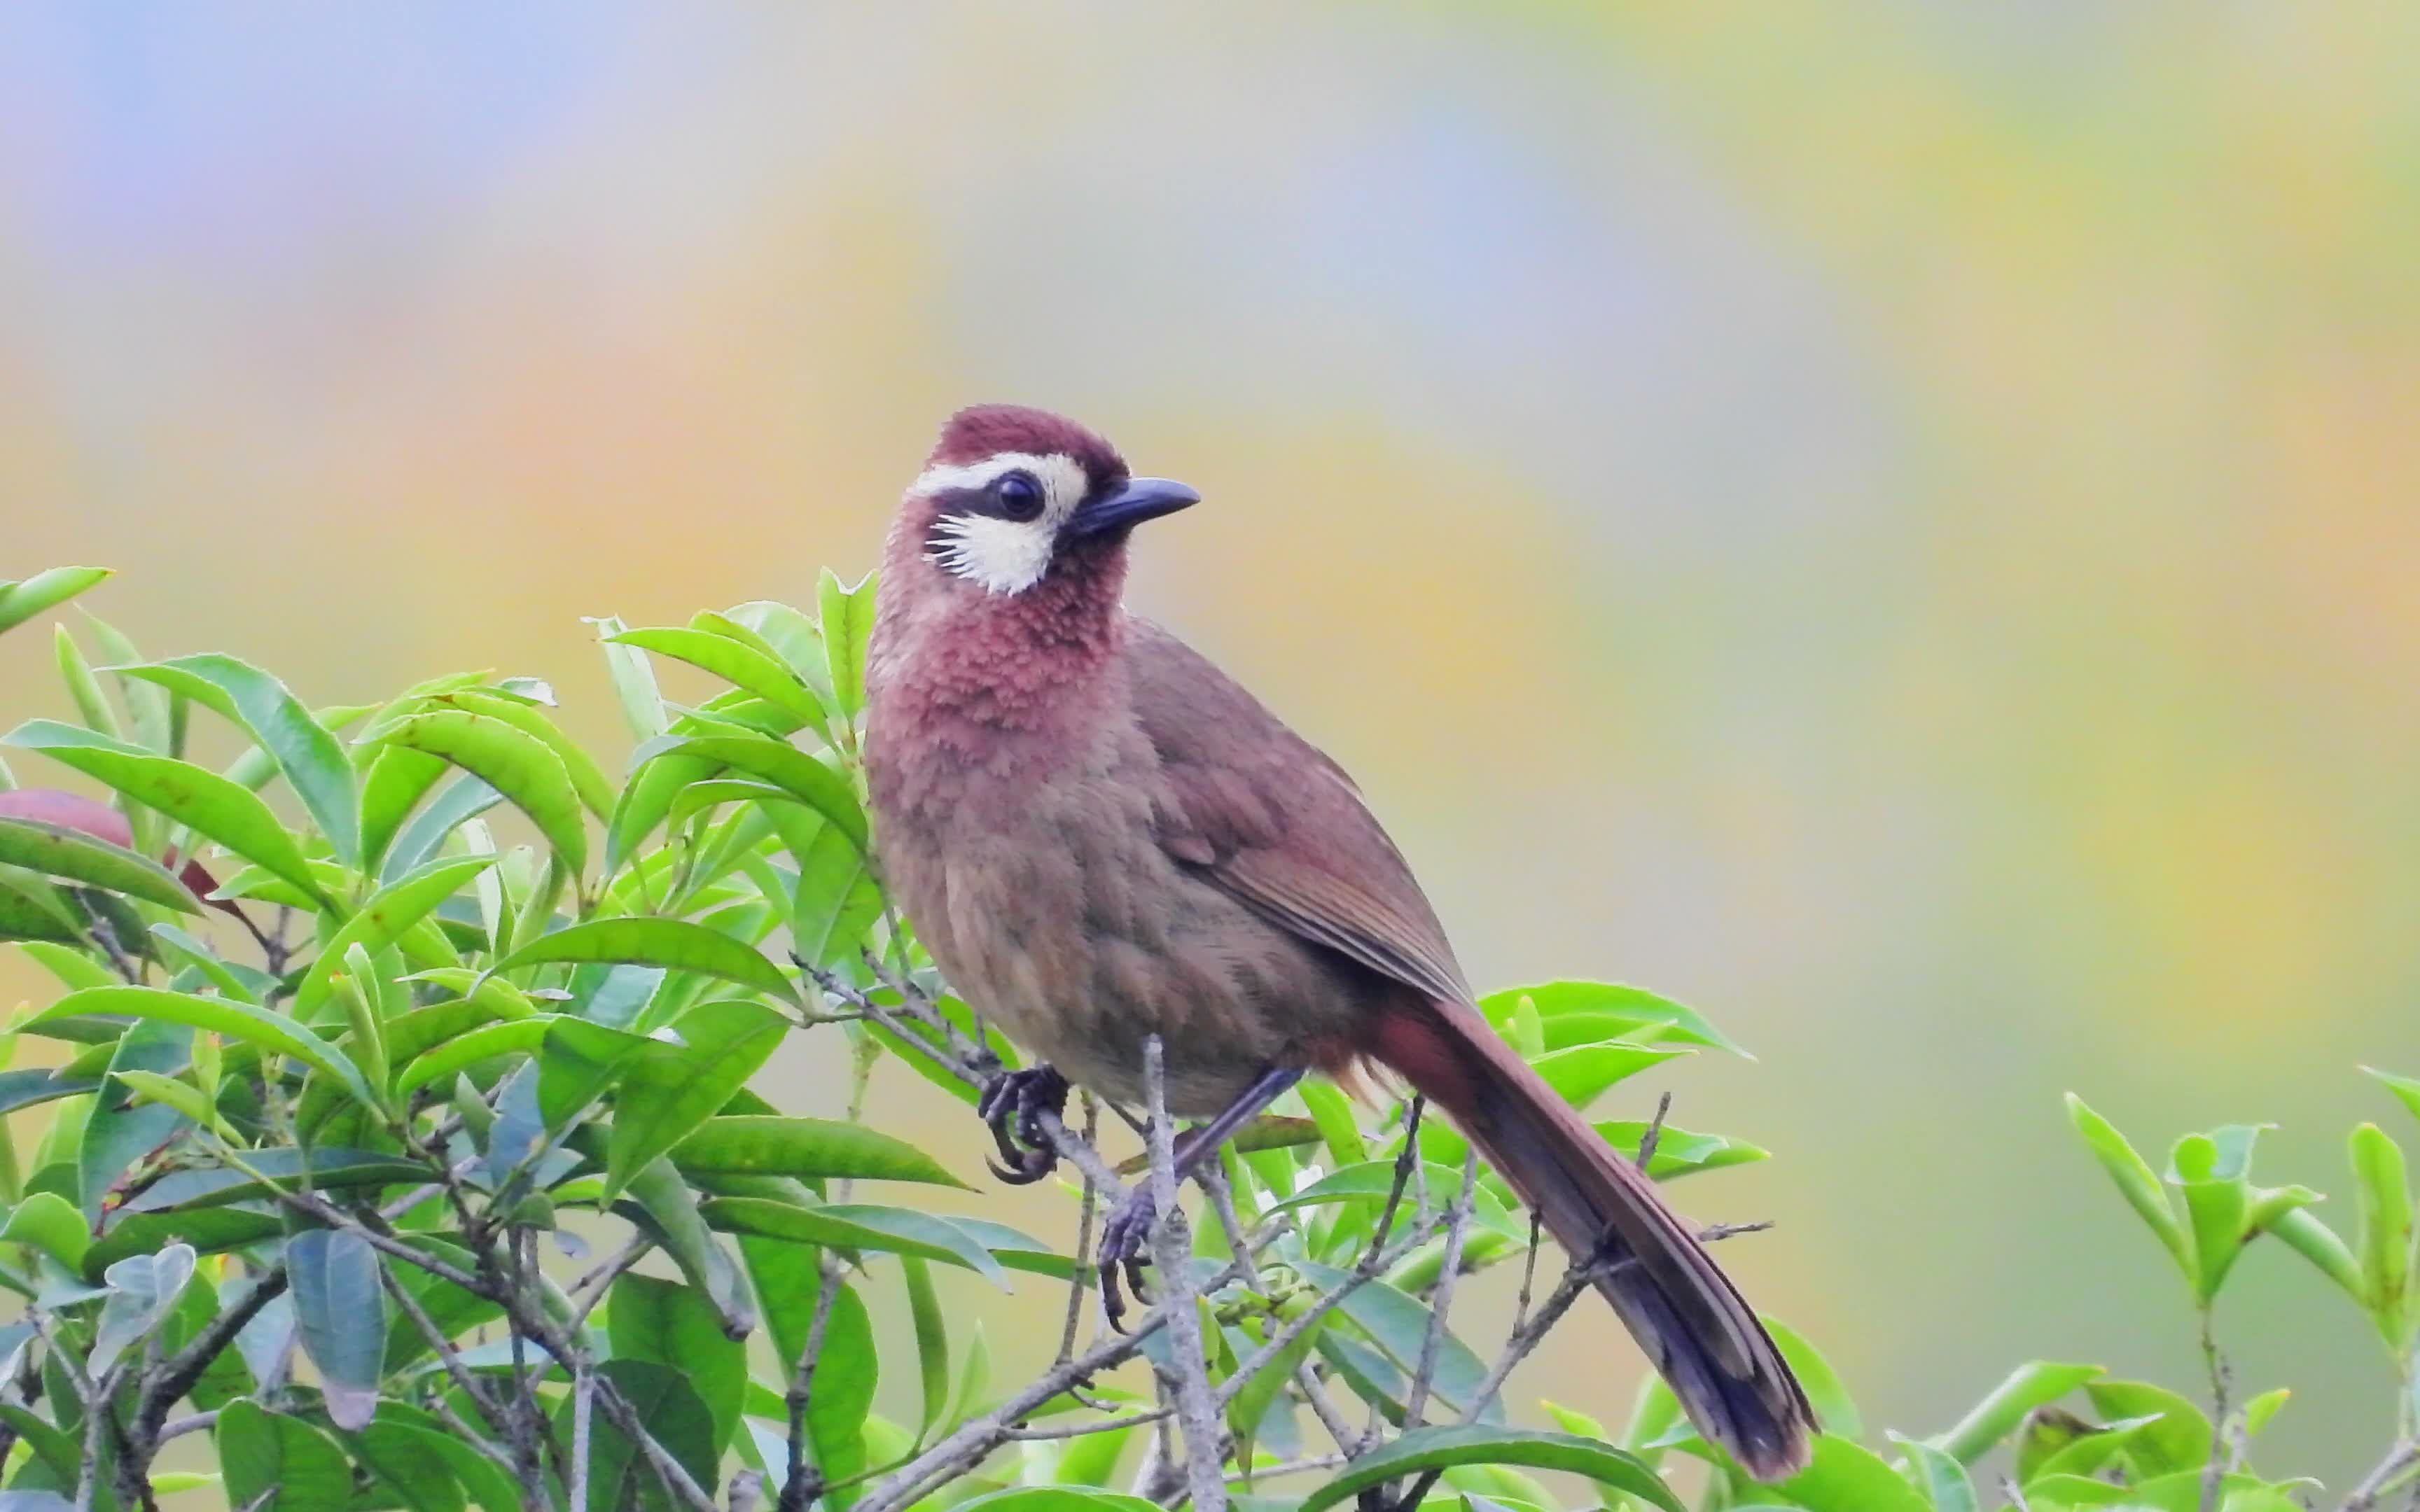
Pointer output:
x,y
1017,495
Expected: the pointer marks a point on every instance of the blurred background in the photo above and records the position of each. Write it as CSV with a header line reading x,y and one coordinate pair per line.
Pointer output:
x,y
1895,523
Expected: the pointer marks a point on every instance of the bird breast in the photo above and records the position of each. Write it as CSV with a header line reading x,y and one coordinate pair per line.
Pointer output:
x,y
1052,908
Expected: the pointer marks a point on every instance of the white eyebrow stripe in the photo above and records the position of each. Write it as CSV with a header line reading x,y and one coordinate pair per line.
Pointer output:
x,y
1062,477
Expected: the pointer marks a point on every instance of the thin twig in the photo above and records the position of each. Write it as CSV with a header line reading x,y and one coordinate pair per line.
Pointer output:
x,y
1457,1228
2214,1475
800,1487
1077,1430
1655,1134
1197,1410
1306,1380
455,1371
1075,1287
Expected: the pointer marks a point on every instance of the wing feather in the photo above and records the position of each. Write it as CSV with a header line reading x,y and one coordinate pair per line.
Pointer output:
x,y
1269,819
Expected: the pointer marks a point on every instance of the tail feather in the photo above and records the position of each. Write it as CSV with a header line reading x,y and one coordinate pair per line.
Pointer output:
x,y
1693,1325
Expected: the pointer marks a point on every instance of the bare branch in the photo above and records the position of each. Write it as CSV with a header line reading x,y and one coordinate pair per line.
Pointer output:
x,y
1197,1410
584,1402
1457,1228
800,1487
1075,1287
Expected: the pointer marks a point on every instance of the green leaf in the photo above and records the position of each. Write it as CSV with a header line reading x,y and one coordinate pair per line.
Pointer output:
x,y
381,921
2386,1234
84,690
932,1341
1371,1181
408,1467
2210,1170
790,1280
210,1230
120,1136
261,705
1940,1479
1584,1072
675,944
1825,1392
321,1167
634,682
1425,1450
671,1208
22,601
518,766
675,1326
393,783
1602,1010
172,1093
2136,1183
2260,1409
51,1223
32,911
672,1415
204,801
1997,1414
667,1092
836,900
587,779
1848,1477
485,1481
1677,1151
486,1043
298,1468
271,1032
2309,1236
802,776
737,663
1400,1325
853,1226
2406,1088
59,852
807,1149
143,1288
340,1314
846,622
2179,1441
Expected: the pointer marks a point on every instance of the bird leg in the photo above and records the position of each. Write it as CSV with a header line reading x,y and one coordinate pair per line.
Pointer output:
x,y
1018,1099
1124,1236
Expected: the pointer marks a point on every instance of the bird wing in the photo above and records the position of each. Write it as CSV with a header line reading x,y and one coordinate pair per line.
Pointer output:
x,y
1262,814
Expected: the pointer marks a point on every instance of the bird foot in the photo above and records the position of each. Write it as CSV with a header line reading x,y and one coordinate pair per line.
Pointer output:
x,y
1014,1103
1124,1240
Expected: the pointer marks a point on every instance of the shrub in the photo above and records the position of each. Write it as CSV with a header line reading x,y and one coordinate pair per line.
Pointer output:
x,y
409,1167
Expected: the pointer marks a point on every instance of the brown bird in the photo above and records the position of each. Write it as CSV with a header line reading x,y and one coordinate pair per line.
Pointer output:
x,y
1101,837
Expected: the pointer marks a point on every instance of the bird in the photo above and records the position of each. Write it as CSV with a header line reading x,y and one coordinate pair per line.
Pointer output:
x,y
1099,837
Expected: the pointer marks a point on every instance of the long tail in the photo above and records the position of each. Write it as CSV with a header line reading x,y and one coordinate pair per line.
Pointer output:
x,y
1696,1328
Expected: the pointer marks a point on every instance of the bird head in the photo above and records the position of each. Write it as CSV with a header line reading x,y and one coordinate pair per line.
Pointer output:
x,y
1011,497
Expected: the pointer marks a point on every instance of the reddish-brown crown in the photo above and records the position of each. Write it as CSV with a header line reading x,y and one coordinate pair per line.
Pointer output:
x,y
989,429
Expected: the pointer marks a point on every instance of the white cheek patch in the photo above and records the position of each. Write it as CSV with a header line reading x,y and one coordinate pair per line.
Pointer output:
x,y
1002,556
999,556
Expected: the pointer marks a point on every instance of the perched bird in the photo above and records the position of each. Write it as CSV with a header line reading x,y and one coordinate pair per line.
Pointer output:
x,y
1101,837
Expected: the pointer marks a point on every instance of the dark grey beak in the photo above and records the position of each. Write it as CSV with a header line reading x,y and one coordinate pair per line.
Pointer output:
x,y
1140,500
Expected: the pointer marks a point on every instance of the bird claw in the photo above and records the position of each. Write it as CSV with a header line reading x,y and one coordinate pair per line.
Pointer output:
x,y
1123,1242
1014,1104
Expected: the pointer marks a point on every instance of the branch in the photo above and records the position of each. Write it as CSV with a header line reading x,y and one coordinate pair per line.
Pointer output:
x,y
1213,1177
1172,1239
1076,1288
798,1486
1457,1228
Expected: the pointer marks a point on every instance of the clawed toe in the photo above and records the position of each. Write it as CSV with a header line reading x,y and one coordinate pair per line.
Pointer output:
x,y
1122,1241
1012,1107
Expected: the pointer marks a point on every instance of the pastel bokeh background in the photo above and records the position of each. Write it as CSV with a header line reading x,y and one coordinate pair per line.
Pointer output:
x,y
1895,523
